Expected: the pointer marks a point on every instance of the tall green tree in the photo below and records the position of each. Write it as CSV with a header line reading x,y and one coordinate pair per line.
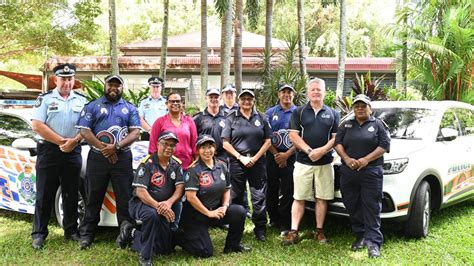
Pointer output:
x,y
224,9
204,66
164,40
238,21
301,36
342,48
113,39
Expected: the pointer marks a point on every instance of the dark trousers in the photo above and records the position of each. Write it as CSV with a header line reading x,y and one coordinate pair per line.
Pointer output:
x,y
280,192
154,237
196,239
362,197
98,174
55,168
257,178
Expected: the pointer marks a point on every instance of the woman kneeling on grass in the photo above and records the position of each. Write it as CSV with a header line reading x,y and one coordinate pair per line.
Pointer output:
x,y
208,203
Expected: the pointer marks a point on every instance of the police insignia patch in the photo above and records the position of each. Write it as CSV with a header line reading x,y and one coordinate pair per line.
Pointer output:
x,y
186,177
222,176
173,175
222,123
38,102
88,116
257,123
141,172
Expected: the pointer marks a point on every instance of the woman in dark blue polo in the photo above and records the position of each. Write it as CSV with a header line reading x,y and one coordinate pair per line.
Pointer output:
x,y
361,142
208,203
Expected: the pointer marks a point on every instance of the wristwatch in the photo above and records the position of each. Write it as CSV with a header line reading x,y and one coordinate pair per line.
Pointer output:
x,y
309,150
117,146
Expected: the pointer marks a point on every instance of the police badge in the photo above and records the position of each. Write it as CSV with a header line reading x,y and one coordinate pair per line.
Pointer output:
x,y
257,123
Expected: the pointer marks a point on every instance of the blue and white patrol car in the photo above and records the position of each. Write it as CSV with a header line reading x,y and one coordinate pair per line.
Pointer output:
x,y
18,160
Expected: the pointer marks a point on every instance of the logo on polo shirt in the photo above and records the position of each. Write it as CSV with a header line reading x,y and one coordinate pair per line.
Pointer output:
x,y
103,110
325,116
158,179
205,180
222,123
257,123
124,111
348,125
275,117
371,129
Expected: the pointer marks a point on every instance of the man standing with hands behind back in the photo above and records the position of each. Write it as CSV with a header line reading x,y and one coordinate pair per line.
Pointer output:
x,y
59,158
313,130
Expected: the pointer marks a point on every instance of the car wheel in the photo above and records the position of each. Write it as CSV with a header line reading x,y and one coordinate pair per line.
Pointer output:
x,y
58,207
420,213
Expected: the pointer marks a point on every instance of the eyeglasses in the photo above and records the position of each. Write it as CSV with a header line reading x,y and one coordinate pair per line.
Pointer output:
x,y
174,101
167,145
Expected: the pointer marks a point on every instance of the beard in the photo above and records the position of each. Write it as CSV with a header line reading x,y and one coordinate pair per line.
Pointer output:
x,y
113,98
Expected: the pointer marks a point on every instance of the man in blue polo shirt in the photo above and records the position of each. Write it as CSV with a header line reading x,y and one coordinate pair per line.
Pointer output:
x,y
280,161
153,106
110,125
313,130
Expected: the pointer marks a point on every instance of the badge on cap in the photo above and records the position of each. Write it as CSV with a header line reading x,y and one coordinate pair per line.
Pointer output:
x,y
257,123
66,69
371,129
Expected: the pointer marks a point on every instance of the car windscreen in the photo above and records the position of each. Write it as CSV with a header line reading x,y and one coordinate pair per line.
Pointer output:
x,y
407,123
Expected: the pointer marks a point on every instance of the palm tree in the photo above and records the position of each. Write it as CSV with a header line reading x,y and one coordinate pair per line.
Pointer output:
x,y
164,40
301,41
113,38
239,17
224,9
204,67
342,49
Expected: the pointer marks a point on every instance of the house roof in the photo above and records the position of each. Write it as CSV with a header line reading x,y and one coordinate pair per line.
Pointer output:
x,y
32,81
191,42
192,64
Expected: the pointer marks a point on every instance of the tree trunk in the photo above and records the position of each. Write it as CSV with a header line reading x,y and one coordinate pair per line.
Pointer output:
x,y
239,16
164,40
226,44
204,67
113,39
301,40
342,49
268,36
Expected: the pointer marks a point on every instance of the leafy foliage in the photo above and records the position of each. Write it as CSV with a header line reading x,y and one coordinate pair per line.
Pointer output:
x,y
95,89
284,72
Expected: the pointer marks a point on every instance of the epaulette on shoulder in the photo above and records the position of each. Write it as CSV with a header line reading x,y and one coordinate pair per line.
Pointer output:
x,y
145,159
80,94
46,93
193,163
176,159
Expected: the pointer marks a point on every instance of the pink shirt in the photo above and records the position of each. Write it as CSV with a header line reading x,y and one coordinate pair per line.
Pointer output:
x,y
186,133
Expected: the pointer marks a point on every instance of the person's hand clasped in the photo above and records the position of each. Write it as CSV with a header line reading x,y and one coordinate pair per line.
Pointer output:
x,y
361,163
316,154
280,159
67,145
109,152
352,163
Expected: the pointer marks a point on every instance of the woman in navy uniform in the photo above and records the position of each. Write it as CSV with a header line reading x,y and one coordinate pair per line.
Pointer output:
x,y
361,143
246,137
208,203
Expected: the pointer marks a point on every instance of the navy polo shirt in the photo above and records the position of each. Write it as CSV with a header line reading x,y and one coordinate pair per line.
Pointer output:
x,y
315,129
360,140
210,184
279,120
109,121
246,135
160,183
211,125
228,110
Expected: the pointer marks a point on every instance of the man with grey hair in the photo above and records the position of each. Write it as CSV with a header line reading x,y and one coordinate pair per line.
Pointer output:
x,y
313,129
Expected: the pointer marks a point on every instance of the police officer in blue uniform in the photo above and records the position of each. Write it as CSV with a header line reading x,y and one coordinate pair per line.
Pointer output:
x,y
246,137
59,154
211,121
228,95
361,142
157,185
208,203
280,161
110,125
153,106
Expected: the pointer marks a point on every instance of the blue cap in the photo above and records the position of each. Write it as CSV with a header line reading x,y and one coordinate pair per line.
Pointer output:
x,y
213,91
362,98
203,139
247,92
168,135
229,87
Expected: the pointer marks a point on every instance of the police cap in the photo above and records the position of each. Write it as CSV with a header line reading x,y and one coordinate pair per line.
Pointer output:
x,y
203,139
155,81
168,135
64,70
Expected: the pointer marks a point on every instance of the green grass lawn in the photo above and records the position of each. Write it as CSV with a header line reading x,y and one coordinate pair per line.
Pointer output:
x,y
451,241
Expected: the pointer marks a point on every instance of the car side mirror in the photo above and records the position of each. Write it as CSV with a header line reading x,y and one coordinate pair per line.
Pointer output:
x,y
448,134
25,144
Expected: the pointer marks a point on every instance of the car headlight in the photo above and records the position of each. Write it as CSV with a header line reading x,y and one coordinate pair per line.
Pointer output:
x,y
396,166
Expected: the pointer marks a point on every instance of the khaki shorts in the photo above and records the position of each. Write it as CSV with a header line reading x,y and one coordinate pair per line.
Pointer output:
x,y
308,178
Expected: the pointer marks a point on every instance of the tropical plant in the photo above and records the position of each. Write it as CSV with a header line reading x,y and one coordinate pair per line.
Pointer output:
x,y
330,98
282,73
94,89
135,96
394,94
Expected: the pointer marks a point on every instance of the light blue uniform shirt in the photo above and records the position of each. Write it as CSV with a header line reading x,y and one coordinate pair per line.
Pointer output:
x,y
151,109
59,114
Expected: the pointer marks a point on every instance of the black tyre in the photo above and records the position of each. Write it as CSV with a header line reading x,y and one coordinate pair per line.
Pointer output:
x,y
420,212
58,206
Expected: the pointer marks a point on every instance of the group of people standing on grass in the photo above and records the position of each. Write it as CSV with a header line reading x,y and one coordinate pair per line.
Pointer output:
x,y
197,170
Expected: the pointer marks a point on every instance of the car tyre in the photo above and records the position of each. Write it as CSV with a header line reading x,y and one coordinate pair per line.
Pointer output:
x,y
58,206
420,213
